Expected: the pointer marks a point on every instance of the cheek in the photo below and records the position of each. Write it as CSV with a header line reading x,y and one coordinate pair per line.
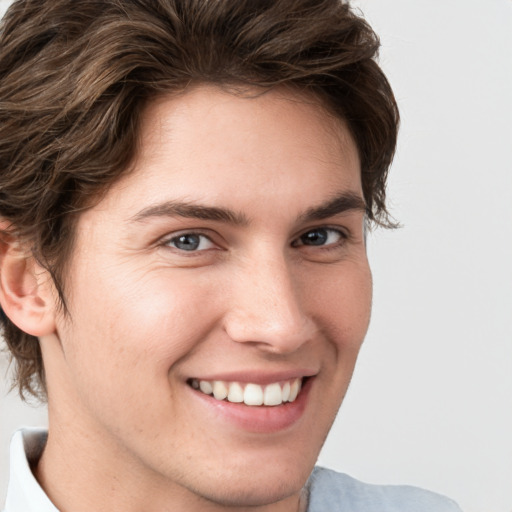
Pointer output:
x,y
171,314
122,340
150,322
343,303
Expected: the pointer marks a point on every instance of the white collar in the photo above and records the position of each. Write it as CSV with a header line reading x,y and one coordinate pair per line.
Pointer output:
x,y
24,494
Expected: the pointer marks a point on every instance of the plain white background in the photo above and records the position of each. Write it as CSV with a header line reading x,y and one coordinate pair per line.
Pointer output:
x,y
431,400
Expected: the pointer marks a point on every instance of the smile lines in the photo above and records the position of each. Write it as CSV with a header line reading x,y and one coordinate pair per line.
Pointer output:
x,y
273,394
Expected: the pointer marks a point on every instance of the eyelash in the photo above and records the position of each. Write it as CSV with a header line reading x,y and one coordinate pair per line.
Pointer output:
x,y
333,245
167,242
298,242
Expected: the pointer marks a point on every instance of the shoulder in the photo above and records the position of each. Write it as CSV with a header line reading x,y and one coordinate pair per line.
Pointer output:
x,y
336,492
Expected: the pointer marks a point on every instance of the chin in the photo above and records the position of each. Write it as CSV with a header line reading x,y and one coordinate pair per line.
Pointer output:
x,y
247,480
256,490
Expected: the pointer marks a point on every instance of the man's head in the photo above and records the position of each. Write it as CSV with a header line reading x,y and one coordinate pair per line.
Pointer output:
x,y
75,78
183,191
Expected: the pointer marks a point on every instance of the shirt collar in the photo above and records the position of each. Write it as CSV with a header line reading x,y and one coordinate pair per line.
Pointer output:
x,y
24,494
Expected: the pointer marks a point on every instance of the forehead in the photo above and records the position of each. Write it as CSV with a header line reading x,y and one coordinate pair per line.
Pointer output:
x,y
207,109
215,146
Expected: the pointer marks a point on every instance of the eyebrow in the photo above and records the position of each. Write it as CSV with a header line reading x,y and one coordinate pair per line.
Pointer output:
x,y
191,211
344,202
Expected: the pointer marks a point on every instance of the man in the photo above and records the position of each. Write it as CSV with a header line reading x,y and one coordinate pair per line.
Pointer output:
x,y
185,191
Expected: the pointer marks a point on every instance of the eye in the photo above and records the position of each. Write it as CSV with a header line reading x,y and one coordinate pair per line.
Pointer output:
x,y
190,242
320,237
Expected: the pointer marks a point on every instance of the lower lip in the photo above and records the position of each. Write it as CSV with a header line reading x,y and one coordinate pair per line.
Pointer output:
x,y
258,419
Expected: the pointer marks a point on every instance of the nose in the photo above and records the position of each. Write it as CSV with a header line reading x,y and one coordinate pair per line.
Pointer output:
x,y
266,308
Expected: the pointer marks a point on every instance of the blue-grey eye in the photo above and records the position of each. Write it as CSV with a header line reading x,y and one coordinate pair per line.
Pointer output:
x,y
320,236
191,242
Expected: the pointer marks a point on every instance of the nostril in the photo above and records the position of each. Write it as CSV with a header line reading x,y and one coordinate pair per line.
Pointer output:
x,y
276,333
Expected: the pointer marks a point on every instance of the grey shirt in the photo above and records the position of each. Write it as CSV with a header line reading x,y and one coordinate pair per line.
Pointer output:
x,y
330,491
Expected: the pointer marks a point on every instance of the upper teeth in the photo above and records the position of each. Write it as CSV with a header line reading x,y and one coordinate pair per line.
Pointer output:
x,y
250,394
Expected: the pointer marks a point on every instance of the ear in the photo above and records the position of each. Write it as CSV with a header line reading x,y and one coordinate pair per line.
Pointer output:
x,y
27,294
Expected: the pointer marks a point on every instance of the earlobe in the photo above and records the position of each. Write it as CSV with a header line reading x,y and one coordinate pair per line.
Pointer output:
x,y
25,288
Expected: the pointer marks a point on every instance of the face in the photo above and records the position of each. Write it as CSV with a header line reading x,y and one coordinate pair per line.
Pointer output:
x,y
230,261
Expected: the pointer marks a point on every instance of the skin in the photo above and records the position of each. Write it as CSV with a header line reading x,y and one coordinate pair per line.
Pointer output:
x,y
126,430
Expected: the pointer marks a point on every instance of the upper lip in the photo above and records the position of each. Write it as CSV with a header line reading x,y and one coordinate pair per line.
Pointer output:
x,y
258,376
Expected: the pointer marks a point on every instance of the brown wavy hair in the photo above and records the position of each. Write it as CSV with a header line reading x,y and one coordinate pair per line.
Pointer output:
x,y
75,77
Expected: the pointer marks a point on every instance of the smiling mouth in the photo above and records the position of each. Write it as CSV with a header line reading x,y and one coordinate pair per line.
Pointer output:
x,y
276,393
